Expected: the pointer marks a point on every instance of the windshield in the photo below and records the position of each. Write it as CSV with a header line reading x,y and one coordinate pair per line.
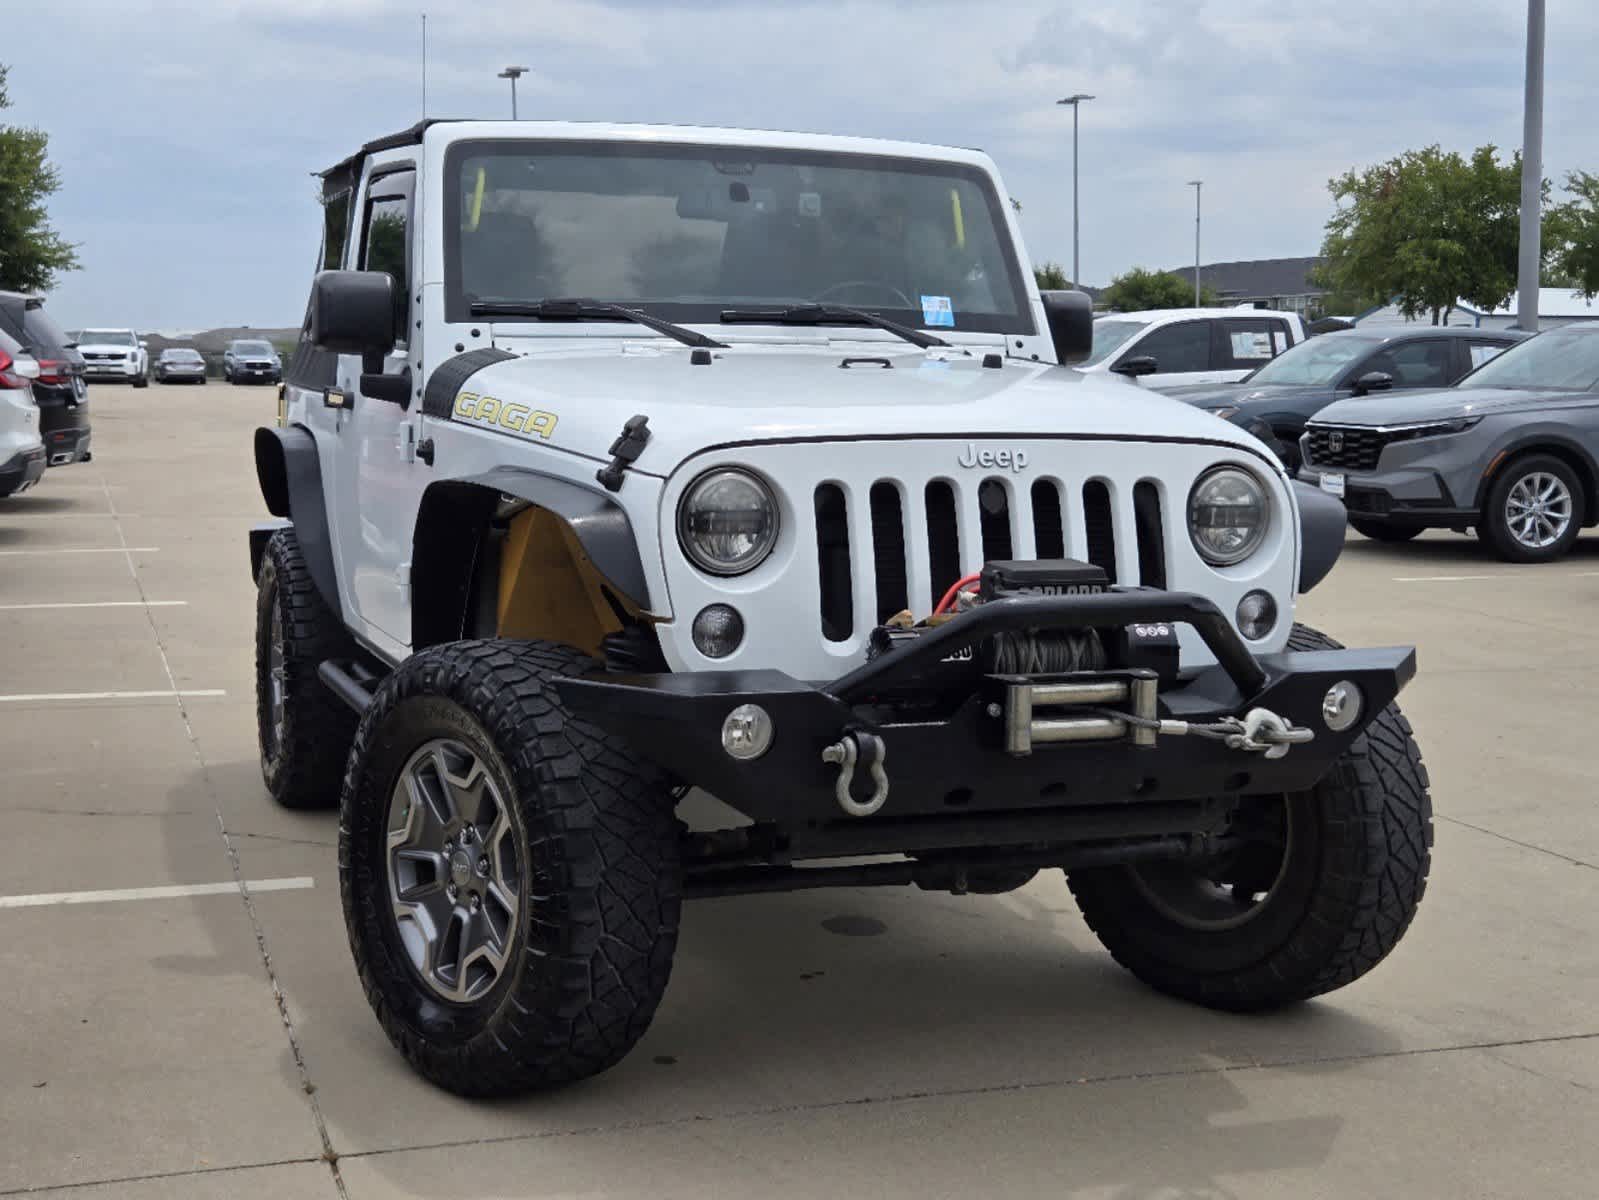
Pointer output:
x,y
1565,359
251,348
688,231
181,355
1108,336
107,337
1320,362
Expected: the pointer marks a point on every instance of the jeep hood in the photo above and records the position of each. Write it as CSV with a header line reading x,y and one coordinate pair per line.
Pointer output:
x,y
766,393
1404,408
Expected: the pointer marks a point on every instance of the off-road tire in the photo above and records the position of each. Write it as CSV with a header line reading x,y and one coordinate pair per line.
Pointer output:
x,y
1494,528
1361,871
304,768
595,938
1384,531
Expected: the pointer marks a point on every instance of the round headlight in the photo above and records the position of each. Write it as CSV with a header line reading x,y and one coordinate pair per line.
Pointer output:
x,y
727,522
1228,515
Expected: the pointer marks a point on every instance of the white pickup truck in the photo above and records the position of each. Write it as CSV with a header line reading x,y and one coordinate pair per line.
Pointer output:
x,y
1173,347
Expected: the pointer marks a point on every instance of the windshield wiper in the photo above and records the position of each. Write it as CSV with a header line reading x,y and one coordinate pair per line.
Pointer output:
x,y
827,314
574,308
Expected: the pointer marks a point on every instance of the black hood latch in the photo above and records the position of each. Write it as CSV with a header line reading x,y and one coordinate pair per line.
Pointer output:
x,y
624,451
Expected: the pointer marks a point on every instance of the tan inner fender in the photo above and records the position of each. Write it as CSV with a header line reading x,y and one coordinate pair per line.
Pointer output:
x,y
549,588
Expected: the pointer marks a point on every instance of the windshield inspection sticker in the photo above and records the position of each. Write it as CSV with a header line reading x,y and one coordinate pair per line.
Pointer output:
x,y
937,310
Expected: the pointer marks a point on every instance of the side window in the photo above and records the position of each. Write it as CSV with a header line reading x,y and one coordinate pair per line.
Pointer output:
x,y
1481,352
1246,344
1413,364
335,229
1183,346
386,240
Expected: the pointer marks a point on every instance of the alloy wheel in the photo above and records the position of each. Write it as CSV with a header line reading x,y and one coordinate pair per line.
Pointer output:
x,y
1538,510
454,870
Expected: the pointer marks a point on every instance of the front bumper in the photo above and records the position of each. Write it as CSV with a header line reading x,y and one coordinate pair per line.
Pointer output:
x,y
957,764
22,470
111,370
1413,496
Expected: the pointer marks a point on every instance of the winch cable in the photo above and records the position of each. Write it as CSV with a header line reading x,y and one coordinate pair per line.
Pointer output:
x,y
1259,730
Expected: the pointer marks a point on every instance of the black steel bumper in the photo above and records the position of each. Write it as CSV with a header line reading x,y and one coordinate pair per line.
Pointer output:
x,y
958,765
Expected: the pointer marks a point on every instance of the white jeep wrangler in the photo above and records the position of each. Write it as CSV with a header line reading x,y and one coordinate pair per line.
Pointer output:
x,y
617,461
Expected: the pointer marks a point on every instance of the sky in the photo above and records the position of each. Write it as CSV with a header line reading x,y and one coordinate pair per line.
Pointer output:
x,y
187,131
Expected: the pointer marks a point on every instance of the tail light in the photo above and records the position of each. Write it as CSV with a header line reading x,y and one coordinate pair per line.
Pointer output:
x,y
55,371
8,375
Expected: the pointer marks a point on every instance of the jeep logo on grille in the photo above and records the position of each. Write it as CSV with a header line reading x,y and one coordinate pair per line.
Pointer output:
x,y
1009,460
1335,441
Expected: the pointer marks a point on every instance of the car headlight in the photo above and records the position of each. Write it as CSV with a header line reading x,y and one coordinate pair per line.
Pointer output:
x,y
1228,515
727,521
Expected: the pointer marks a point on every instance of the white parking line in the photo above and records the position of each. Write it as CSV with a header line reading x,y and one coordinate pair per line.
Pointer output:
x,y
97,604
85,550
38,899
34,697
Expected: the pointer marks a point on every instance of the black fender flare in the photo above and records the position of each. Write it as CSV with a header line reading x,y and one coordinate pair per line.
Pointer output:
x,y
1321,533
599,522
290,475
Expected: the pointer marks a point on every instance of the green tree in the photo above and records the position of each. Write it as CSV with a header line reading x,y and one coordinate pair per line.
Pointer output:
x,y
32,254
1141,289
1427,229
1575,228
1051,277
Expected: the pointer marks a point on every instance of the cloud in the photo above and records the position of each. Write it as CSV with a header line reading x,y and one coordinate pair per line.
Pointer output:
x,y
186,146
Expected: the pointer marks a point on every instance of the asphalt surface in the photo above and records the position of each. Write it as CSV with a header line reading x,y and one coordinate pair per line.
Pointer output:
x,y
215,1042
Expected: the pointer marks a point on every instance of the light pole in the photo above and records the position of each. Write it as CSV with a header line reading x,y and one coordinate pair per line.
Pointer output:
x,y
1197,185
1527,274
512,73
1075,101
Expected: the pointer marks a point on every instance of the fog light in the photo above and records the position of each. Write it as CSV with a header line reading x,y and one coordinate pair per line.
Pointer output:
x,y
1341,706
747,732
718,630
1257,615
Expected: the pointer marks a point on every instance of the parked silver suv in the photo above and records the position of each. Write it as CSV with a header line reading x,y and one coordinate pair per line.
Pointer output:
x,y
1510,449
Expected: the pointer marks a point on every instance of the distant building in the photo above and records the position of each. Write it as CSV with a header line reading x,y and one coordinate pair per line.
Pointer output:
x,y
1281,283
1556,306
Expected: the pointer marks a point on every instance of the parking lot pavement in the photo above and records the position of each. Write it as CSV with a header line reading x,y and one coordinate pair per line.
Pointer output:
x,y
166,1035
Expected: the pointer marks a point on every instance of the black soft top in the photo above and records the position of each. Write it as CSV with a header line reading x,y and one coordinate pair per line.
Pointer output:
x,y
342,175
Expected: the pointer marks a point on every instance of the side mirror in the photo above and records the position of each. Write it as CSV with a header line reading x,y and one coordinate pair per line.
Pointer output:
x,y
1070,316
1142,364
1373,381
352,312
143,345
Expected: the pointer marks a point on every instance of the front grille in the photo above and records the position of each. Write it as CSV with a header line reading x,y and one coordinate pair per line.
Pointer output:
x,y
1351,447
923,539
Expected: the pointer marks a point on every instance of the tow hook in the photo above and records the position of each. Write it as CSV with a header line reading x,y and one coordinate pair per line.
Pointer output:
x,y
1265,731
852,750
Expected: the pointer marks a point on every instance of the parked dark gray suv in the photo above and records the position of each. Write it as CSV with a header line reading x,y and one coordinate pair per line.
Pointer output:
x,y
1513,449
1274,401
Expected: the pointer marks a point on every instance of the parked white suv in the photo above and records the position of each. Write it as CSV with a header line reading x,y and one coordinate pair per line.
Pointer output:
x,y
617,460
114,354
1170,347
22,457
